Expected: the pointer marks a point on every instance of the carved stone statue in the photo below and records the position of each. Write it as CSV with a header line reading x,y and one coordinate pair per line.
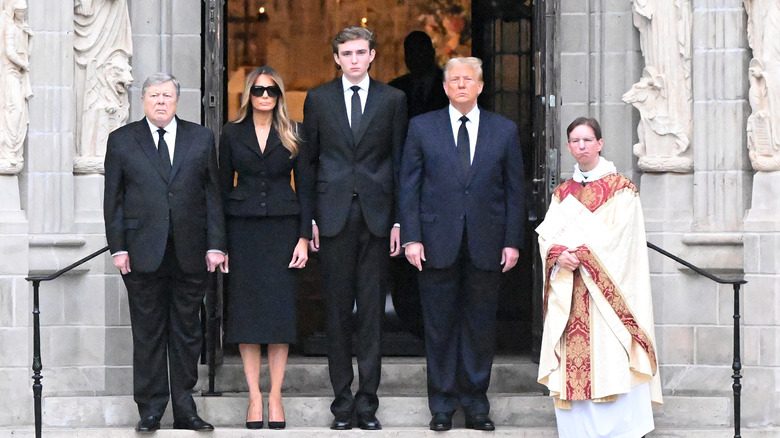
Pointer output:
x,y
664,95
102,47
15,88
763,125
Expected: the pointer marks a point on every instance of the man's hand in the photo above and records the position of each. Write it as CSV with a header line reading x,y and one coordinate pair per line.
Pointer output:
x,y
415,253
568,261
122,262
314,243
214,260
509,258
395,241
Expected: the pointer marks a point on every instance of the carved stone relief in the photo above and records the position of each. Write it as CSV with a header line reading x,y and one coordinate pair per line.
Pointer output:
x,y
763,125
15,90
102,46
663,94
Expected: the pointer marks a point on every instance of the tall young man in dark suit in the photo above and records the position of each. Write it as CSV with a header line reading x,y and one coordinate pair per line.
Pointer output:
x,y
355,127
165,230
462,221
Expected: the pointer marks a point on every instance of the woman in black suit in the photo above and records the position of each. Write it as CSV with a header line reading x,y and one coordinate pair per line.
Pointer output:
x,y
267,222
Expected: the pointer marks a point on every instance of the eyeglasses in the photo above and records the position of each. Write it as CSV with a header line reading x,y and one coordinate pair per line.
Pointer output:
x,y
586,140
259,90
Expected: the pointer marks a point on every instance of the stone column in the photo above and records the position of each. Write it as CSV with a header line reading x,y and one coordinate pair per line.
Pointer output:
x,y
692,101
762,224
594,38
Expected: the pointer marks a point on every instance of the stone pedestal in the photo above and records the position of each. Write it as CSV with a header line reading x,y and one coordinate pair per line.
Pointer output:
x,y
760,301
13,228
765,203
667,201
88,199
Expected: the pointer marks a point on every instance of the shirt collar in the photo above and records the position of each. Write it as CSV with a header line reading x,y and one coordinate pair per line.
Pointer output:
x,y
603,168
363,84
169,128
472,115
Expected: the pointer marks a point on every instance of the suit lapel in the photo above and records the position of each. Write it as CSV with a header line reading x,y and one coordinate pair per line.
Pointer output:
x,y
374,100
482,144
340,111
444,126
182,146
249,137
143,136
273,142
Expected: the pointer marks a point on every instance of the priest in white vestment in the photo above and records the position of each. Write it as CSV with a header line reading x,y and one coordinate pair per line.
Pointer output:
x,y
598,354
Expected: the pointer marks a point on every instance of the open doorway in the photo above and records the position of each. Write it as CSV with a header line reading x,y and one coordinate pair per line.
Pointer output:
x,y
294,37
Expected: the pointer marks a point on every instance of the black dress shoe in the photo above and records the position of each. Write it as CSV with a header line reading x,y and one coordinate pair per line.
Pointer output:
x,y
148,425
192,423
440,422
479,422
368,421
341,423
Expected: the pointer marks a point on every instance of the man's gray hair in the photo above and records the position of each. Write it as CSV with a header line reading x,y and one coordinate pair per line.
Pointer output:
x,y
474,63
160,78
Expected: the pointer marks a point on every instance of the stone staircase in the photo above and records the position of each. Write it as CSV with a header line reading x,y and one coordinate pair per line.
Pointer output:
x,y
519,407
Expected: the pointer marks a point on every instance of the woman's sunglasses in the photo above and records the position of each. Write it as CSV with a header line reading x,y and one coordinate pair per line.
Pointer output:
x,y
259,90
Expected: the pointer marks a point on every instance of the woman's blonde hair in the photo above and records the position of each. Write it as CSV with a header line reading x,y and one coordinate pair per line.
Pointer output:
x,y
281,119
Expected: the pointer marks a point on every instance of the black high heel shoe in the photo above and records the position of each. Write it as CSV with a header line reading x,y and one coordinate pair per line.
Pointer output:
x,y
277,425
254,424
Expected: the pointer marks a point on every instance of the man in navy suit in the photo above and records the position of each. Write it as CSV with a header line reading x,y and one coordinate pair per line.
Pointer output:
x,y
165,231
462,220
355,127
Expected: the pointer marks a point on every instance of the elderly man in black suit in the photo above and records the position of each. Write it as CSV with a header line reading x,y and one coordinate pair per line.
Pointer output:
x,y
462,225
355,128
166,231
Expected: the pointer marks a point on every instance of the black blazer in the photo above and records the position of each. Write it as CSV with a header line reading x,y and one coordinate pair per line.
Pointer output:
x,y
141,203
263,186
437,200
367,167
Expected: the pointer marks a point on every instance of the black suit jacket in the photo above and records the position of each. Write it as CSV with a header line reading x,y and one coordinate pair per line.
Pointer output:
x,y
437,200
263,185
368,166
141,203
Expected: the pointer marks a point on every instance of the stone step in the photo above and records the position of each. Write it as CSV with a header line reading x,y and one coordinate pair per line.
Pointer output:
x,y
515,410
400,376
400,432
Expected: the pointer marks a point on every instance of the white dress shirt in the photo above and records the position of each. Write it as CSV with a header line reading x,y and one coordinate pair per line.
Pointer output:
x,y
363,93
170,135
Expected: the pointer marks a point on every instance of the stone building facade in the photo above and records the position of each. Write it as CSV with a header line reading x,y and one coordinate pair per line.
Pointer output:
x,y
706,201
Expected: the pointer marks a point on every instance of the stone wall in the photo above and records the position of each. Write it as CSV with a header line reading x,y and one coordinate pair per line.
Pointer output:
x,y
700,215
50,217
599,60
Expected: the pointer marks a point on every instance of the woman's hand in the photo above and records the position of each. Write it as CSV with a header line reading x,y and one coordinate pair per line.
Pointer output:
x,y
300,254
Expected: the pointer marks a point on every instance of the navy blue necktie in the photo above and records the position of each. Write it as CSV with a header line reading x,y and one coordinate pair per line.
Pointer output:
x,y
464,152
356,111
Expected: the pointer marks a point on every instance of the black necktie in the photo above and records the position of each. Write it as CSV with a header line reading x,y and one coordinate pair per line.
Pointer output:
x,y
162,150
357,110
464,152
